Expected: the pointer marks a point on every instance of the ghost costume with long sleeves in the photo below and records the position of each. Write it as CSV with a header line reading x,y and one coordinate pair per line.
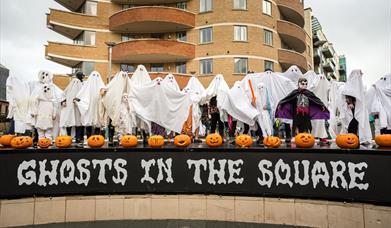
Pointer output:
x,y
89,97
18,95
196,89
354,87
70,114
378,100
264,108
45,111
218,88
320,86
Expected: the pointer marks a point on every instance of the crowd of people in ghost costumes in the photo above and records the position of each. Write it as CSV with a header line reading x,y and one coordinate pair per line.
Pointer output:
x,y
261,104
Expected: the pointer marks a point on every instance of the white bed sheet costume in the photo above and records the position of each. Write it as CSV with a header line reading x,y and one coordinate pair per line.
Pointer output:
x,y
354,87
89,96
217,87
196,90
70,114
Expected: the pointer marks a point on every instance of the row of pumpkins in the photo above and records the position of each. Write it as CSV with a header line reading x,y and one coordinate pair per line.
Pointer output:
x,y
302,140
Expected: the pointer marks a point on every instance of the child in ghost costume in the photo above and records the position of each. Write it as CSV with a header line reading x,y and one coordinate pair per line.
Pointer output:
x,y
45,112
263,106
87,100
126,119
353,109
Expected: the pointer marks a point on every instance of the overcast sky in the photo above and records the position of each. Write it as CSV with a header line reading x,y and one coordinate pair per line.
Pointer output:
x,y
360,29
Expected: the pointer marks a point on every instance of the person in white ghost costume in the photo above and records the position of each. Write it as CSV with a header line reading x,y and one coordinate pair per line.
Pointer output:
x,y
171,82
70,114
87,101
353,111
44,111
264,108
293,73
126,121
320,86
335,94
17,95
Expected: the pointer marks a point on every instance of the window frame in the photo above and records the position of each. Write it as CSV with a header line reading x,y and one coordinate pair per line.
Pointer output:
x,y
211,35
265,10
202,61
206,9
245,5
237,61
240,27
266,31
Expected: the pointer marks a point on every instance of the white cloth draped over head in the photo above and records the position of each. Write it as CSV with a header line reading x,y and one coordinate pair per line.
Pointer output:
x,y
89,100
44,109
140,76
218,87
264,109
195,89
293,73
70,115
170,81
111,100
126,119
378,100
18,93
335,98
320,86
161,104
354,87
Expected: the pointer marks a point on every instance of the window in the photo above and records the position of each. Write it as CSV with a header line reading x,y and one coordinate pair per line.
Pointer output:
x,y
269,65
240,33
181,5
240,4
181,36
157,68
181,68
126,67
206,66
91,8
126,37
85,38
267,7
159,36
268,37
240,65
205,5
206,35
127,6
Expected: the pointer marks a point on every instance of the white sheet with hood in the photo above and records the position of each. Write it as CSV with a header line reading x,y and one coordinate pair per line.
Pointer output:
x,y
70,114
218,87
161,104
320,86
378,99
111,100
354,87
293,73
264,108
89,96
171,82
335,98
18,95
195,89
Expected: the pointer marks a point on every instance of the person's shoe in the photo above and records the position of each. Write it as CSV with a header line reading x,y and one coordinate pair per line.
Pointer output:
x,y
232,142
197,141
260,141
324,142
111,143
288,141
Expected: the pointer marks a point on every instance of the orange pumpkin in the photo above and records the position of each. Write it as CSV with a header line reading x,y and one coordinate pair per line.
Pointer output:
x,y
21,142
182,140
214,140
156,141
5,140
272,142
128,141
96,141
304,140
347,141
244,140
64,141
383,140
44,142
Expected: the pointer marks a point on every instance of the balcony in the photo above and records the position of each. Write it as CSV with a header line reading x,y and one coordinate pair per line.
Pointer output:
x,y
292,35
72,5
147,2
328,66
71,54
292,10
156,19
288,58
71,24
327,52
153,51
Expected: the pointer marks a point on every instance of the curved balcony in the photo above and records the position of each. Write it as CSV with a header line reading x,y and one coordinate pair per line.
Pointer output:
x,y
147,2
157,19
153,51
70,24
72,5
292,35
292,10
71,54
288,58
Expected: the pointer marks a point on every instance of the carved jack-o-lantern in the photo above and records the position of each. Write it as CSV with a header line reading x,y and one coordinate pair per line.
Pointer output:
x,y
21,142
96,141
383,140
244,140
348,141
44,142
214,140
272,142
63,141
182,140
304,140
5,140
156,141
128,141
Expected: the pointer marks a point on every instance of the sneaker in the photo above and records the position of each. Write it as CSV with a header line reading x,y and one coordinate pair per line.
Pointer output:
x,y
197,141
260,141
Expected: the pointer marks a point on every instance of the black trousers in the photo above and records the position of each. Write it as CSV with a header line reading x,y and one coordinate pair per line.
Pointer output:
x,y
90,130
258,133
385,131
302,122
287,131
79,130
213,124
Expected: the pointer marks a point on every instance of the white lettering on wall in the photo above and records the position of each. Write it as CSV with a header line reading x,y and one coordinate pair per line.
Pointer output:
x,y
284,168
338,173
167,169
233,170
45,173
354,175
197,172
121,172
267,175
219,172
306,167
68,166
319,172
29,177
85,174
